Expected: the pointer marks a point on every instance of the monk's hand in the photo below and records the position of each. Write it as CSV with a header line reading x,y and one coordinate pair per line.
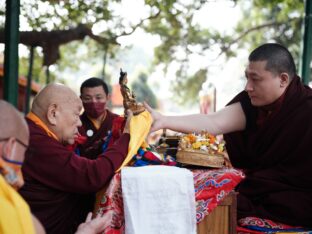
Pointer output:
x,y
94,226
127,125
158,119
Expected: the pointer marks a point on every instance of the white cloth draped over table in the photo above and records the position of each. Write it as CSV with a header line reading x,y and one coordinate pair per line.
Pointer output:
x,y
158,200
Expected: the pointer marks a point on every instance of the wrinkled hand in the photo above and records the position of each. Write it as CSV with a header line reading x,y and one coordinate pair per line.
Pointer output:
x,y
127,125
158,119
94,226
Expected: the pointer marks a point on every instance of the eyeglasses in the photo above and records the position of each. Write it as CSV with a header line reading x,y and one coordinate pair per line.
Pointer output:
x,y
10,160
19,141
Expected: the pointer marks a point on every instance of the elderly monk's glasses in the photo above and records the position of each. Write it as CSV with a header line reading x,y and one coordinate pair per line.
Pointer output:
x,y
13,161
19,141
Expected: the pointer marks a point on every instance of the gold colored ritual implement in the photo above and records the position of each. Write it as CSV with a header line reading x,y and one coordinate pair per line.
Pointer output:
x,y
129,101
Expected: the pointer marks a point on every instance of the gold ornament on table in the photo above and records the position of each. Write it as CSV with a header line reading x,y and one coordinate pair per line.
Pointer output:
x,y
202,149
129,101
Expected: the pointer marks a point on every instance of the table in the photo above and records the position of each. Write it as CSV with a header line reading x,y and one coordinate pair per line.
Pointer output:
x,y
212,187
222,219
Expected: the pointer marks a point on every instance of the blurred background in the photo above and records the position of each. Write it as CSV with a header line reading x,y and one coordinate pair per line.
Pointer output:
x,y
181,56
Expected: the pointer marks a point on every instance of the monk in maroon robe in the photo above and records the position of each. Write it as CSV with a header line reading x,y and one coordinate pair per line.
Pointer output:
x,y
97,121
268,134
275,152
59,183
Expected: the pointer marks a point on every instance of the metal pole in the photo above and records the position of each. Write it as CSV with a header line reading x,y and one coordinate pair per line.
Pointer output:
x,y
10,92
307,43
29,79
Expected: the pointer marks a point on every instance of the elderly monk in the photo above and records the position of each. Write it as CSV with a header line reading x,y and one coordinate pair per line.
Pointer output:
x,y
268,132
58,183
15,216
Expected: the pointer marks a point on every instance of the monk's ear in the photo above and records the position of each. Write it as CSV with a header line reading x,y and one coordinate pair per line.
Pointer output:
x,y
52,114
284,79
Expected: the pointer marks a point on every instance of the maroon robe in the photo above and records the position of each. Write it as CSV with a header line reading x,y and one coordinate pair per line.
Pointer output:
x,y
277,159
59,184
93,146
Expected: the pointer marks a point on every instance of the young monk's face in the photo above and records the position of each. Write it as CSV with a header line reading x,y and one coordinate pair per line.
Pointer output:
x,y
263,86
94,94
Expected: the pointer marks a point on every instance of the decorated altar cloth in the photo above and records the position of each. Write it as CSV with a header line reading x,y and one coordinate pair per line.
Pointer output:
x,y
211,187
255,225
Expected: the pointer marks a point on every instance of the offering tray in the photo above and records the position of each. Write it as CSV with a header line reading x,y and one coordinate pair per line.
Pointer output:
x,y
202,149
200,158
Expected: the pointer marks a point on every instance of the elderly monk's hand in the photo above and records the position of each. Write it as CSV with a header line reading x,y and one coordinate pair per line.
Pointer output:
x,y
127,125
158,119
94,226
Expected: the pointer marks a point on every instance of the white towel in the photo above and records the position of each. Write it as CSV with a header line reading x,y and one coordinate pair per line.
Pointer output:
x,y
158,200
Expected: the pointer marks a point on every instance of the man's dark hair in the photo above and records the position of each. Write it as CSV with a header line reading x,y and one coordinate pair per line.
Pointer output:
x,y
278,58
94,82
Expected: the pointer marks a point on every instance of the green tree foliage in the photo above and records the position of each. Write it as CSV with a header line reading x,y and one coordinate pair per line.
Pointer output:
x,y
263,21
173,21
190,87
143,92
272,21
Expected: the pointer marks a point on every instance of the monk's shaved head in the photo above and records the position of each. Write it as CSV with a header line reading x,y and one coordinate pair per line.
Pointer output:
x,y
58,107
52,94
12,123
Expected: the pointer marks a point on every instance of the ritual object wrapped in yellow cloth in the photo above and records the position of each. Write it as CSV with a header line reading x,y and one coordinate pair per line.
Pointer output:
x,y
139,129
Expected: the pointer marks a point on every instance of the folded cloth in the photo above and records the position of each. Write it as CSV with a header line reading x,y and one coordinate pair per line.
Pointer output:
x,y
139,128
158,199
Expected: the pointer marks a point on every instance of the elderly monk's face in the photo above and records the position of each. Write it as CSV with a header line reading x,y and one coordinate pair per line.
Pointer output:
x,y
69,121
263,86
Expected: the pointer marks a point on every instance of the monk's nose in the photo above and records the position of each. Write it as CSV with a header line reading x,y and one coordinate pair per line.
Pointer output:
x,y
248,86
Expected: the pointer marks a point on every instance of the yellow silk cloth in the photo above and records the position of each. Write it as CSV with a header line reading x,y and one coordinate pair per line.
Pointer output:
x,y
15,216
41,124
139,128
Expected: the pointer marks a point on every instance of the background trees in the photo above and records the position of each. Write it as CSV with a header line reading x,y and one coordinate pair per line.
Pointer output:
x,y
172,21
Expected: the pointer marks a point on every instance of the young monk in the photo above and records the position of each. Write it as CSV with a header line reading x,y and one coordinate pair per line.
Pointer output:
x,y
58,183
97,120
268,134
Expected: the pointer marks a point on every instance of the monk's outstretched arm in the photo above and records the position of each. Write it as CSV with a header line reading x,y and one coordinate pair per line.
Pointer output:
x,y
229,119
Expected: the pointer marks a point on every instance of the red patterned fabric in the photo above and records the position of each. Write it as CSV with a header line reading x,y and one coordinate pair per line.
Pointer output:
x,y
79,139
264,223
241,230
259,225
211,187
112,200
118,126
